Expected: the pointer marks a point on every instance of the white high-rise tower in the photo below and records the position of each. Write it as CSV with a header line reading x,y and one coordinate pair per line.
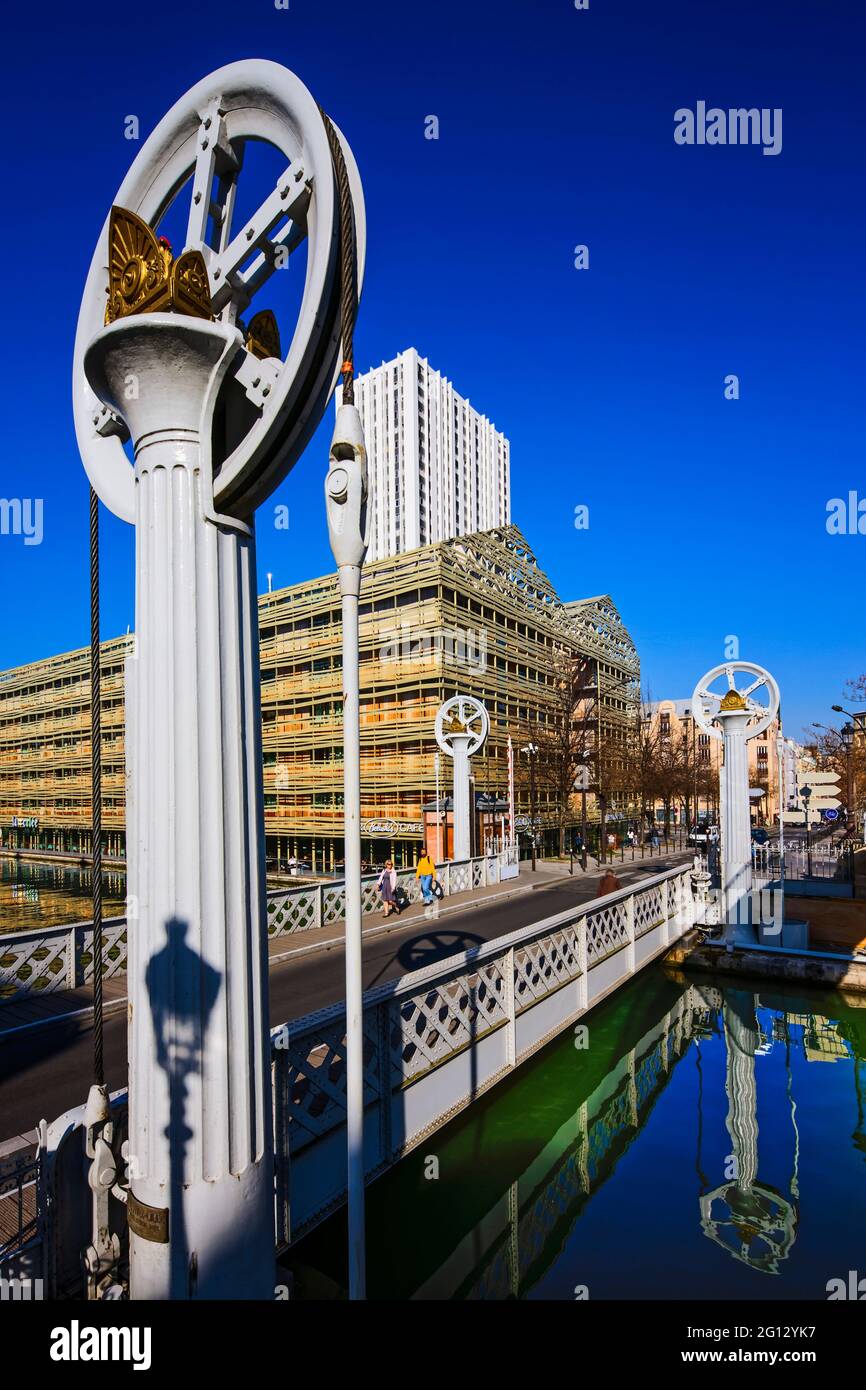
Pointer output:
x,y
437,468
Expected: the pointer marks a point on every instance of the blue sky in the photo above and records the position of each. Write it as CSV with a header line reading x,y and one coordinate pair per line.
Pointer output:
x,y
707,516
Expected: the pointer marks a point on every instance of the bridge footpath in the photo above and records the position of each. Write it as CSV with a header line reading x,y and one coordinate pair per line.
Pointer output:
x,y
451,1007
46,1055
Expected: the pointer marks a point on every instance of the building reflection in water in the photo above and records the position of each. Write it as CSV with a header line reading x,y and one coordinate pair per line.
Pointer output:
x,y
35,895
544,1202
752,1220
537,1198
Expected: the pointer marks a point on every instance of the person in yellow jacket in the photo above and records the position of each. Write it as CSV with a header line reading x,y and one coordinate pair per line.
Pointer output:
x,y
426,872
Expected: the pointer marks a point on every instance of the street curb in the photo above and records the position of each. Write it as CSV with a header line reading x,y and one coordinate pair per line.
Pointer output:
x,y
443,911
117,1004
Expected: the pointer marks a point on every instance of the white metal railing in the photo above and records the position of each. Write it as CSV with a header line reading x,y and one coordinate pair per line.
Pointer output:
x,y
435,1041
831,860
61,957
438,1038
321,904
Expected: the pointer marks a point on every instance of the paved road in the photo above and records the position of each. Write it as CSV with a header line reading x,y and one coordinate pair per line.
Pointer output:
x,y
47,1070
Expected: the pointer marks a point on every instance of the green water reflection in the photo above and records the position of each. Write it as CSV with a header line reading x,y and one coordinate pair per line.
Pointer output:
x,y
42,895
709,1143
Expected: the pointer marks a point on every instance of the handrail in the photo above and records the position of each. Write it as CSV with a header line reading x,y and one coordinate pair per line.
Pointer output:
x,y
501,1000
59,956
487,950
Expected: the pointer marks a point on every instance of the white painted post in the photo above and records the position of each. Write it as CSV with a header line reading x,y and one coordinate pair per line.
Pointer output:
x,y
508,970
583,965
201,1199
460,755
629,926
736,828
462,725
739,718
349,532
201,1204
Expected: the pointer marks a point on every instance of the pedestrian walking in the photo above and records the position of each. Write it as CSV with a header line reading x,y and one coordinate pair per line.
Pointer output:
x,y
609,884
426,872
387,888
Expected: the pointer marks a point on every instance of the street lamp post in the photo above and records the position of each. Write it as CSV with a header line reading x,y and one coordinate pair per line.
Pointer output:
x,y
847,737
531,751
857,726
436,769
349,532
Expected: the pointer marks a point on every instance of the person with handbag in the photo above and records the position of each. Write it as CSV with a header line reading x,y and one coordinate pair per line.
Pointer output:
x,y
387,888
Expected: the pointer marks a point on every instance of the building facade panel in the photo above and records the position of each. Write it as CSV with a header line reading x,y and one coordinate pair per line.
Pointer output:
x,y
474,615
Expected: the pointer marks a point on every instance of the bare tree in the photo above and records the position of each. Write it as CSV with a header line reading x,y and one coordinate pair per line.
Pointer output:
x,y
639,774
564,735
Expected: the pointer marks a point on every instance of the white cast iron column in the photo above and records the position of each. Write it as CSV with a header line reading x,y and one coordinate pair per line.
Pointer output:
x,y
736,827
462,821
200,1133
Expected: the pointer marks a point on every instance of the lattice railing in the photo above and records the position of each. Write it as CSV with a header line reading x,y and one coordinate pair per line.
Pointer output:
x,y
57,958
323,904
416,1025
36,961
545,964
113,950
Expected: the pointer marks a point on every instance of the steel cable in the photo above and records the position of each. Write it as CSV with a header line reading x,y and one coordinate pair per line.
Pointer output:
x,y
96,790
348,266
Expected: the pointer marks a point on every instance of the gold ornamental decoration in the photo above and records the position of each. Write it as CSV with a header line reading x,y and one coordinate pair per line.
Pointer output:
x,y
263,335
145,278
732,701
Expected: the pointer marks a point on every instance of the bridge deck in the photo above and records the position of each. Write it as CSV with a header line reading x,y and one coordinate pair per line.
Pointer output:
x,y
33,1009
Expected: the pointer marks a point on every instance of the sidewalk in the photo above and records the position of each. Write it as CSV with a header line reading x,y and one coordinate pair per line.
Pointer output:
x,y
34,1011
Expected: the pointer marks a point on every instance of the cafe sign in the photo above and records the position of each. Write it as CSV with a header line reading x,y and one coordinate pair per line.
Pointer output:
x,y
25,822
391,827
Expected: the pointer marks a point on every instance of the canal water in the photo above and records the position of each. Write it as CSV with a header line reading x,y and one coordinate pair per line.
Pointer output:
x,y
708,1141
41,895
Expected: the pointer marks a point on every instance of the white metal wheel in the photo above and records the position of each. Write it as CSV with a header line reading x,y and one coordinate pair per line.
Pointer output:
x,y
267,409
467,712
706,700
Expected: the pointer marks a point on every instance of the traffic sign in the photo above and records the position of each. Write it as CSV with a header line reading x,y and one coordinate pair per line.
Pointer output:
x,y
831,814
